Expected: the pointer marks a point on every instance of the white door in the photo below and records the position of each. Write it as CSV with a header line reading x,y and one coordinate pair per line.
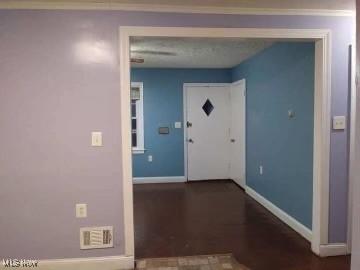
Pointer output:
x,y
208,135
237,133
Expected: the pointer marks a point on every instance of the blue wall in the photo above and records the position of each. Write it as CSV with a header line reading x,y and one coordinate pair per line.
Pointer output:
x,y
279,79
163,106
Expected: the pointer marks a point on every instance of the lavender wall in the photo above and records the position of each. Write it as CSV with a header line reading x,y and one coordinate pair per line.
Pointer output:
x,y
60,81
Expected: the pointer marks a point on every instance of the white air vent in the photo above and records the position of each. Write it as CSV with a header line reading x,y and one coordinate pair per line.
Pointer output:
x,y
96,237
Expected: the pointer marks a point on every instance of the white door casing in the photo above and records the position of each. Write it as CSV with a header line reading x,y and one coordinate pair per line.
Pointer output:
x,y
322,38
237,133
208,135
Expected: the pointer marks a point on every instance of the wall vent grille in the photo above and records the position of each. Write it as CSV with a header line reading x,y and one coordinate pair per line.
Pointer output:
x,y
96,237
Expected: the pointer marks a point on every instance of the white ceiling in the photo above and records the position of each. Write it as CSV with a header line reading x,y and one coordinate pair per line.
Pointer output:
x,y
163,52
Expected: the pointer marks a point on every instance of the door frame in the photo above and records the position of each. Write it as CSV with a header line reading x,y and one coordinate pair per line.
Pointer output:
x,y
352,144
243,80
185,91
322,114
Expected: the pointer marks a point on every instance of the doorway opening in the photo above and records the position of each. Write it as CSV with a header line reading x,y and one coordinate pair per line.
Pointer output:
x,y
320,155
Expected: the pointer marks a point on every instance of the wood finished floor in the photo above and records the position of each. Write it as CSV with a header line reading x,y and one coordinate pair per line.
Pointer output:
x,y
215,217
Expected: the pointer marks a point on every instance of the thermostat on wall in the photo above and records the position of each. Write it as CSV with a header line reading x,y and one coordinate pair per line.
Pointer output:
x,y
164,130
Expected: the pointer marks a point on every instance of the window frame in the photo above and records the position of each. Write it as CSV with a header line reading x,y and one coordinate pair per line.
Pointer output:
x,y
139,149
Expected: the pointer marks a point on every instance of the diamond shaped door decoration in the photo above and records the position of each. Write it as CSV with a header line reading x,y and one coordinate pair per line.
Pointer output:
x,y
208,107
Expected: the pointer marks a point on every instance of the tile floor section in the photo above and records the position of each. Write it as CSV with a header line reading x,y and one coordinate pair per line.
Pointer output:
x,y
206,262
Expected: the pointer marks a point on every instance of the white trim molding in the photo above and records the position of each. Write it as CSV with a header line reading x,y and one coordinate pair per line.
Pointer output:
x,y
352,145
93,263
322,116
355,243
185,127
333,250
206,32
197,9
284,217
126,145
159,180
322,129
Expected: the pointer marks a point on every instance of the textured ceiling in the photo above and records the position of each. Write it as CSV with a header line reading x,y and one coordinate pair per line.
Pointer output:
x,y
194,52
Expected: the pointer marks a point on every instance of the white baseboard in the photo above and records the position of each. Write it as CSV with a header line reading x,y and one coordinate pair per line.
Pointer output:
x,y
157,180
96,263
284,217
333,250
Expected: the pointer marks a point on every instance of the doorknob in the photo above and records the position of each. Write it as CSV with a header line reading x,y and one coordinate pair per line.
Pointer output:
x,y
190,141
232,140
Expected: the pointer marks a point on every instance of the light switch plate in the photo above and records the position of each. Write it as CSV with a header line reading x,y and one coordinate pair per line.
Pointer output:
x,y
339,122
150,158
96,138
177,124
81,210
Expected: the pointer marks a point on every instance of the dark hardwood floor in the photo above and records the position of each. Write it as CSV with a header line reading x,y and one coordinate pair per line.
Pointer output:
x,y
218,217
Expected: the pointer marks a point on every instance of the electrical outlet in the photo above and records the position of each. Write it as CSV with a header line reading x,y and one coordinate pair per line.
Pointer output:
x,y
81,210
150,158
261,170
339,122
